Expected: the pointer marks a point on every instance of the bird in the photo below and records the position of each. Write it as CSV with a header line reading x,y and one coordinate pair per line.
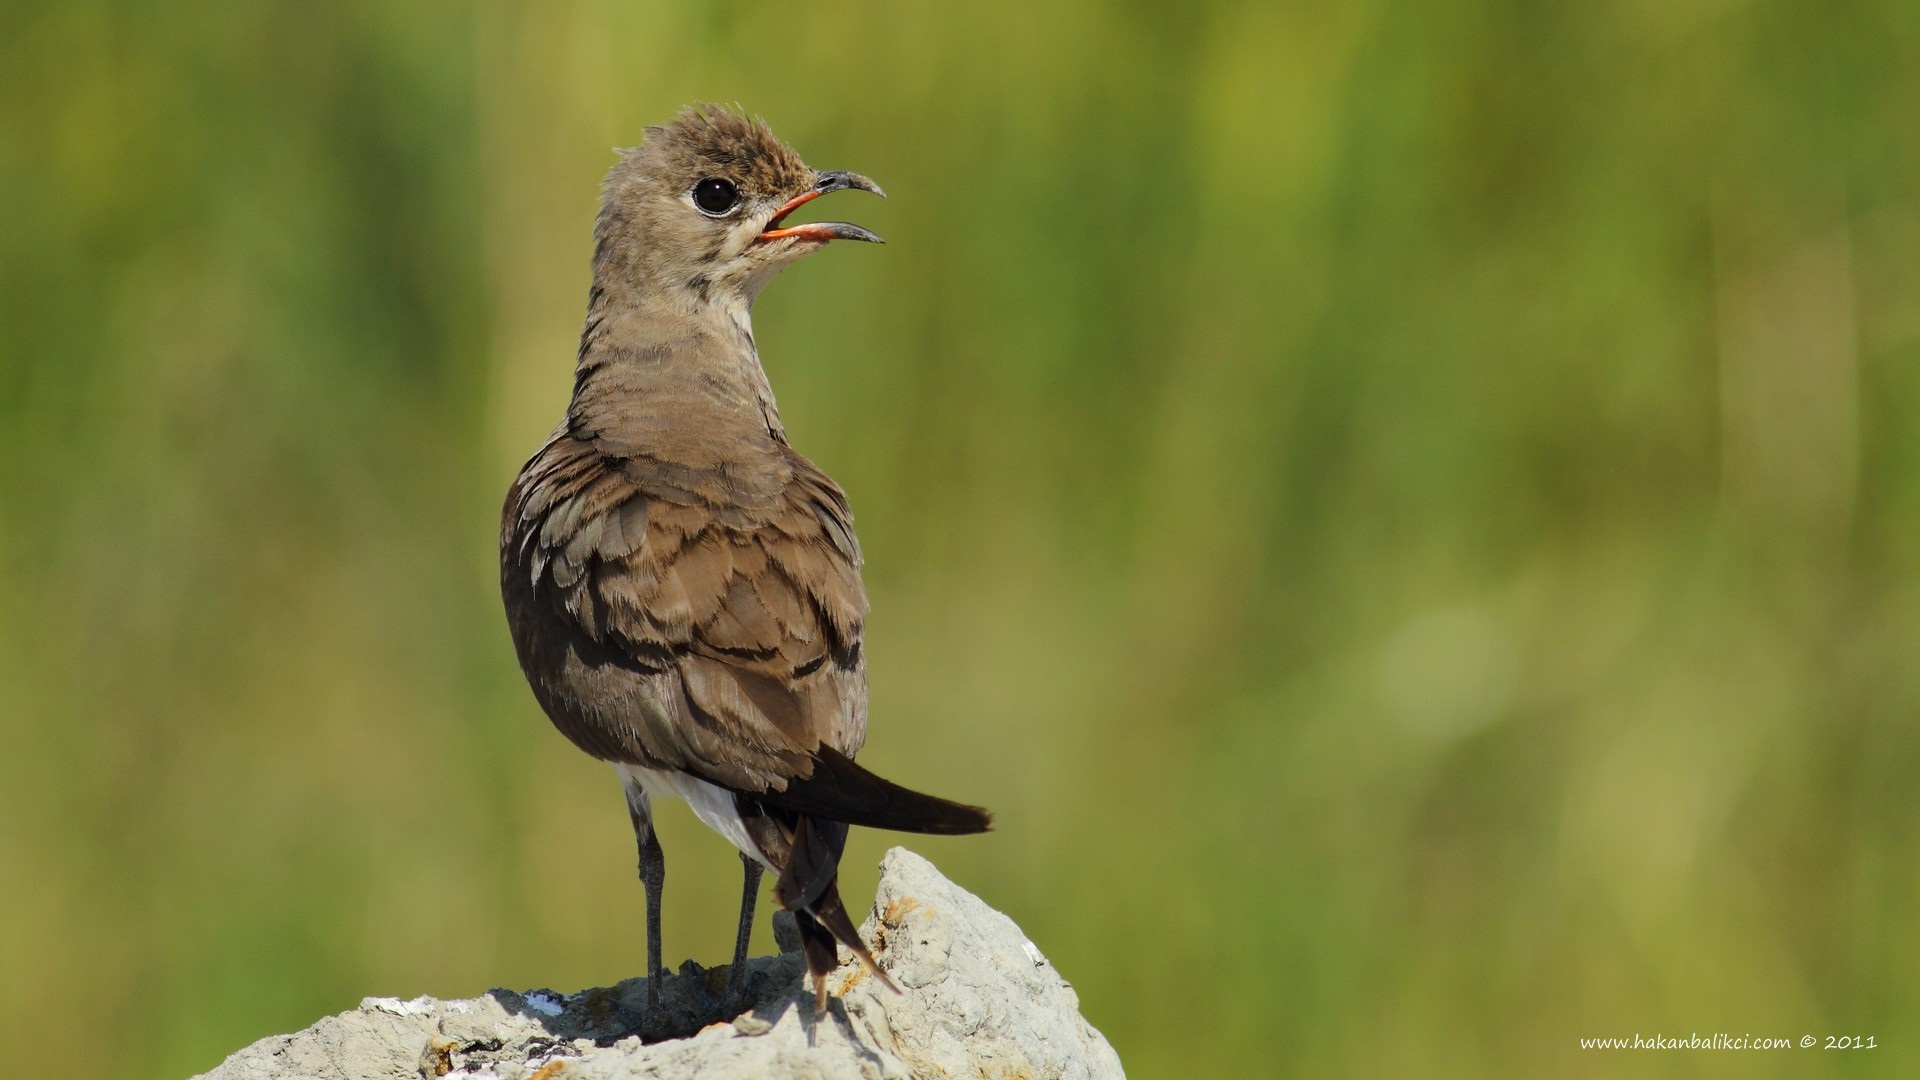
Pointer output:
x,y
681,585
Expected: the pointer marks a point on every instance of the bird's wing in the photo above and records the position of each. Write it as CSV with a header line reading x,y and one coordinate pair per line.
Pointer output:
x,y
732,604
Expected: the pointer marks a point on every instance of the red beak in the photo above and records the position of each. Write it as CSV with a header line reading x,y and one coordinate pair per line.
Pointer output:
x,y
822,230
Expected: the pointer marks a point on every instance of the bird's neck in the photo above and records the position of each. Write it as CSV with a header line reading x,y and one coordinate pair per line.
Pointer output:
x,y
662,359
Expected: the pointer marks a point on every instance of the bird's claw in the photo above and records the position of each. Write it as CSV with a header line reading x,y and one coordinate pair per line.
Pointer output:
x,y
733,997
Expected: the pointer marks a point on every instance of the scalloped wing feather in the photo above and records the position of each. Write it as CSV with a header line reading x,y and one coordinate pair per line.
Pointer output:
x,y
741,628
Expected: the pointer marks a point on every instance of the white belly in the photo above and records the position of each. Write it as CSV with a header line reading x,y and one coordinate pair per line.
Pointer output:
x,y
710,803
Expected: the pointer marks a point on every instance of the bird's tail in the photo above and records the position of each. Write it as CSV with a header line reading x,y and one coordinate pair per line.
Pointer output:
x,y
803,829
840,791
806,852
809,886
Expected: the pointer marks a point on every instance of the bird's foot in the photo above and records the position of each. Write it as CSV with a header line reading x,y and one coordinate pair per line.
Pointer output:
x,y
720,1003
654,1022
680,1005
699,983
733,1000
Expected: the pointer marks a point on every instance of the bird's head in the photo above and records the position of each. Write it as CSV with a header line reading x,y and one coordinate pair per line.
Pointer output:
x,y
698,209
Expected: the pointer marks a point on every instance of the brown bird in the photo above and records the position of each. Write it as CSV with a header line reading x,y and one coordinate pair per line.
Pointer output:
x,y
683,587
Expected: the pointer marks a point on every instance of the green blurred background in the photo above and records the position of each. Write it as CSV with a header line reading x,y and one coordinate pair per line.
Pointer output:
x,y
1409,511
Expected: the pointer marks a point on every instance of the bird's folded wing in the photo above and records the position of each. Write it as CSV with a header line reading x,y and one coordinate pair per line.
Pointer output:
x,y
742,611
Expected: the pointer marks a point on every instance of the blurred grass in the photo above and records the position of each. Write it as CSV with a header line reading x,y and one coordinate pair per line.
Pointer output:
x,y
1409,511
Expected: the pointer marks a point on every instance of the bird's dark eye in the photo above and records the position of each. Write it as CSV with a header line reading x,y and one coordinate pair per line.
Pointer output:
x,y
715,196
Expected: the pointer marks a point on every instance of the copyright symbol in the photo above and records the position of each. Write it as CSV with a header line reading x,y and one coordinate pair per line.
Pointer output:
x,y
1807,1040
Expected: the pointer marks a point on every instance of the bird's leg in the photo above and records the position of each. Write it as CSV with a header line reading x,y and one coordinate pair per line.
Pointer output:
x,y
734,999
653,874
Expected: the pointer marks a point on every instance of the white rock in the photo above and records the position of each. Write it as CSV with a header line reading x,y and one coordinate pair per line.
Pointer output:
x,y
980,1000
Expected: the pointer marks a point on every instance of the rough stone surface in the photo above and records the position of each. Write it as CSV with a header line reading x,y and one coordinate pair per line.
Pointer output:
x,y
979,1000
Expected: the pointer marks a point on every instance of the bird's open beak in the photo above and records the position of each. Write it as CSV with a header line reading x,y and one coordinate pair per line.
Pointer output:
x,y
822,230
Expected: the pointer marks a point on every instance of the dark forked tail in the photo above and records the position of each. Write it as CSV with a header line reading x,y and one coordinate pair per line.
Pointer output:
x,y
809,886
805,851
803,829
